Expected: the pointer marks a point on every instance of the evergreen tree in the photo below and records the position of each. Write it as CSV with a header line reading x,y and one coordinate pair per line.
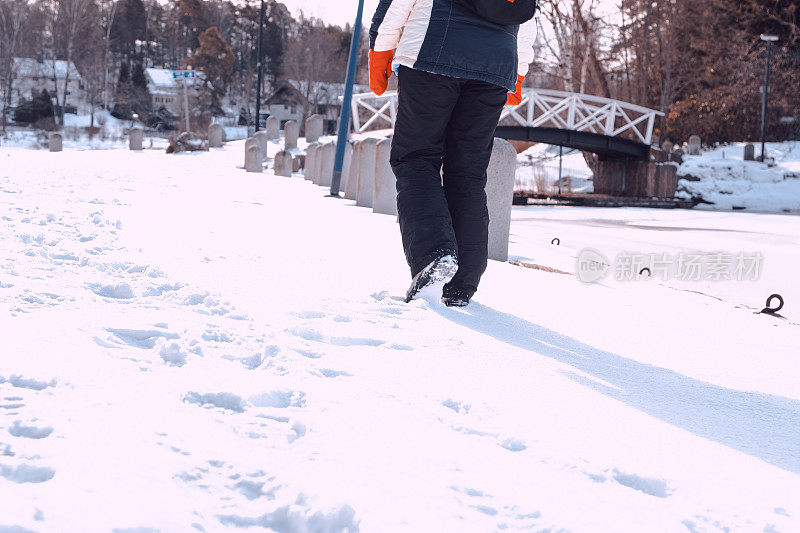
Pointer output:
x,y
123,97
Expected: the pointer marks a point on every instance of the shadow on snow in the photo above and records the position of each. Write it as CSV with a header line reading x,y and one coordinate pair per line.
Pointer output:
x,y
761,425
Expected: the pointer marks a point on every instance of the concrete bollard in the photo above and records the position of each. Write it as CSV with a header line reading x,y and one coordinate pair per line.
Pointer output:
x,y
318,164
249,143
384,198
346,166
263,142
694,145
273,129
501,176
55,142
135,138
326,167
283,164
314,126
214,136
366,172
311,157
749,152
351,185
253,159
291,131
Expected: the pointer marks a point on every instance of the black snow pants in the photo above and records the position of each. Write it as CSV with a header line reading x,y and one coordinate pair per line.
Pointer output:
x,y
442,143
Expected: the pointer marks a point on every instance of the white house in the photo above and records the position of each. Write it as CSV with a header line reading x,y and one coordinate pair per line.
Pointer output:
x,y
34,76
167,92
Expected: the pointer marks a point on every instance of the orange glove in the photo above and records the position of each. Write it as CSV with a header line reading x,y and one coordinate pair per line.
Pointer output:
x,y
516,98
380,70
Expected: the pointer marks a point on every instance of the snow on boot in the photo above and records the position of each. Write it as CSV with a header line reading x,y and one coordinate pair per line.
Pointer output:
x,y
441,269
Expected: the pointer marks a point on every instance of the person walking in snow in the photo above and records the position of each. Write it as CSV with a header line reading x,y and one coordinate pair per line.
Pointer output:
x,y
458,62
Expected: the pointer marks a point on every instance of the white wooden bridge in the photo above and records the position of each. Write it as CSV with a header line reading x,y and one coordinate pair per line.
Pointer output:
x,y
611,128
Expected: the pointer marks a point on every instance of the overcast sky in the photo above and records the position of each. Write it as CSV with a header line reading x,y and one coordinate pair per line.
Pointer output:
x,y
342,11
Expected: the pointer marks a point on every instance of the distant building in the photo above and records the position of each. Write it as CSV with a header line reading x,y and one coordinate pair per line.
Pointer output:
x,y
289,101
35,76
167,92
286,103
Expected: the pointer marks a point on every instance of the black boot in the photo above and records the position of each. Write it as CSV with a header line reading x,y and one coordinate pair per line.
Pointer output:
x,y
441,269
456,297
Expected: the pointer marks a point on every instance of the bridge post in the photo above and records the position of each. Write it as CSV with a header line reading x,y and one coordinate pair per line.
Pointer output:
x,y
638,179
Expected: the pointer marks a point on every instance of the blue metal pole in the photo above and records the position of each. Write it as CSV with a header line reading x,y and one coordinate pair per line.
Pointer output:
x,y
344,119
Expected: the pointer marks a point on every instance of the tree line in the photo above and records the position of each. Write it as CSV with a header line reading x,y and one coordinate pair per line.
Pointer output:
x,y
111,42
700,63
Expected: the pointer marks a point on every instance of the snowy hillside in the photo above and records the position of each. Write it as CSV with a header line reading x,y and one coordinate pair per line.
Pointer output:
x,y
189,347
723,179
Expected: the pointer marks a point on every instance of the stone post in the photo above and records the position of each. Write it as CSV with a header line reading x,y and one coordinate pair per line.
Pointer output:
x,y
384,198
318,164
749,152
347,164
263,142
291,131
351,186
314,126
253,158
326,167
694,145
366,172
283,164
214,136
135,137
667,147
311,154
501,176
250,143
273,129
55,142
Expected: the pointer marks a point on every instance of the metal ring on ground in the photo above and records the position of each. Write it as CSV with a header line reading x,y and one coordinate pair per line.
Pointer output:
x,y
769,310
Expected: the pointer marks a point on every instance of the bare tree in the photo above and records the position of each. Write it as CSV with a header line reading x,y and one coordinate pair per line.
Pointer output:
x,y
13,19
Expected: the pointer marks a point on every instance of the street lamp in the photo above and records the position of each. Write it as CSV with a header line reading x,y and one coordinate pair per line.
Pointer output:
x,y
769,39
344,118
260,65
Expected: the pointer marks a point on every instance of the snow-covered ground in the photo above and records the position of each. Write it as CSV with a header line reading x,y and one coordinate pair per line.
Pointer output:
x,y
185,345
722,177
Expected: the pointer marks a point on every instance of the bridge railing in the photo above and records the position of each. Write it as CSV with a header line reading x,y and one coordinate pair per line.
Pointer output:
x,y
539,108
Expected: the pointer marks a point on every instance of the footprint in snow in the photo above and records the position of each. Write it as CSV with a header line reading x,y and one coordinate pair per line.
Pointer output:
x,y
311,334
221,400
22,382
25,473
651,486
29,431
279,399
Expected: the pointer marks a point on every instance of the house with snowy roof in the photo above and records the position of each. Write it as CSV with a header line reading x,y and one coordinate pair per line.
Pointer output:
x,y
292,99
167,92
34,76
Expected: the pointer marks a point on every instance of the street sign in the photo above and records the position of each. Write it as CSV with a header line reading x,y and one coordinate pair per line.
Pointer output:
x,y
176,74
